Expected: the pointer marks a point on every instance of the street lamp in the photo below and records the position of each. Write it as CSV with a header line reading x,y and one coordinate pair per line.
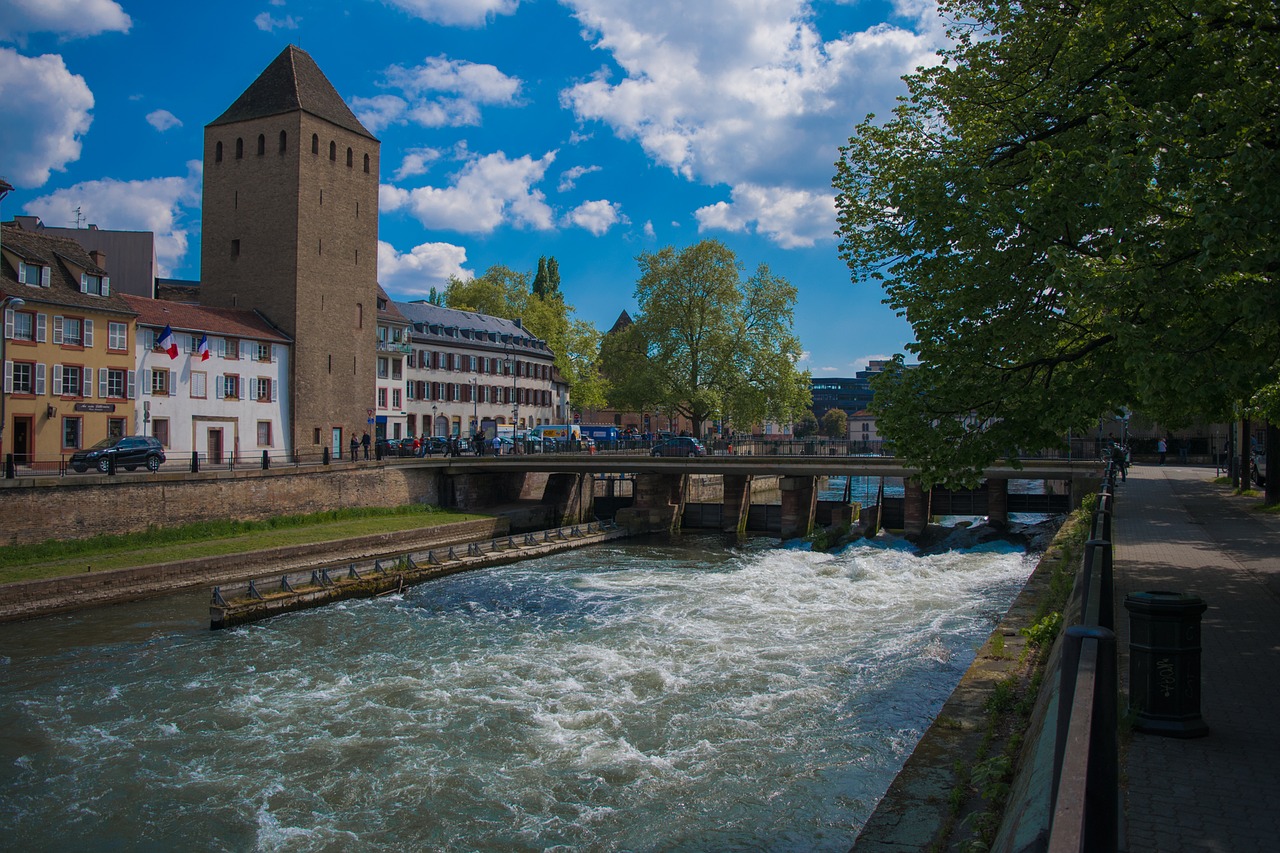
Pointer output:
x,y
475,406
6,304
433,421
515,399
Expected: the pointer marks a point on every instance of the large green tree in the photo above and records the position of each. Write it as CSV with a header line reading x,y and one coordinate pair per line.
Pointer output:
x,y
1075,211
705,343
503,292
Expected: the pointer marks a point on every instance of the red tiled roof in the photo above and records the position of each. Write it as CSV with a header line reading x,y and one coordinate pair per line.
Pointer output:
x,y
182,317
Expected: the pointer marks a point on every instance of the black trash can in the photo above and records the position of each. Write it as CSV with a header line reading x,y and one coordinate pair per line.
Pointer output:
x,y
1164,663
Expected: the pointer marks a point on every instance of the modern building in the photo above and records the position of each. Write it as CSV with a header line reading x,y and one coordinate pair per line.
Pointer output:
x,y
223,392
290,230
470,373
68,353
852,395
132,254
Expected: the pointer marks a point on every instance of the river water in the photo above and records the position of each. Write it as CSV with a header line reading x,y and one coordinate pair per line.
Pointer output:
x,y
634,696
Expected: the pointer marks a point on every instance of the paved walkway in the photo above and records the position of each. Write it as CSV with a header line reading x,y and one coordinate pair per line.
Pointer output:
x,y
1175,530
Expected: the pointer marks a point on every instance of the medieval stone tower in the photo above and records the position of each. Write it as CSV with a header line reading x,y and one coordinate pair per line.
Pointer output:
x,y
291,229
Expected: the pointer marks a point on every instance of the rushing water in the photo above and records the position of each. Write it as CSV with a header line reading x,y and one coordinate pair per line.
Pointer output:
x,y
633,697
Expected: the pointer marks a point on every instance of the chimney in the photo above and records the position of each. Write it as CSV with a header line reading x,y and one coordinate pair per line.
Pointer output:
x,y
99,258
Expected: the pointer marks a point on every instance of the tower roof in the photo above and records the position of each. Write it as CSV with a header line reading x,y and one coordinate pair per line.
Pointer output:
x,y
293,82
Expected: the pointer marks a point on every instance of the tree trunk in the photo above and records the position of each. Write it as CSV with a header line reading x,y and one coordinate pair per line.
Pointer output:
x,y
1271,493
1243,456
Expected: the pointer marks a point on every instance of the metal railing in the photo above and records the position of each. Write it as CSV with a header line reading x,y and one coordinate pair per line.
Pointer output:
x,y
1085,797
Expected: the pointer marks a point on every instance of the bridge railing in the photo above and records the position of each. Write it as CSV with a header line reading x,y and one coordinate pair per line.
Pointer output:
x,y
1086,789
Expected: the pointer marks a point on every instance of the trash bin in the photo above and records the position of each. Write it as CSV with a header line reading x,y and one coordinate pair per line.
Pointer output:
x,y
1164,663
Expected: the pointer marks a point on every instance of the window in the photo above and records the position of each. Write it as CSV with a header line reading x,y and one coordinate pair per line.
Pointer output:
x,y
395,398
19,377
160,382
239,148
115,427
98,285
382,368
72,331
198,384
262,389
231,348
217,153
68,380
24,327
284,141
262,144
117,336
160,430
262,352
230,387
235,248
264,433
333,150
71,433
315,149
115,383
366,171
396,370
382,398
35,275
350,161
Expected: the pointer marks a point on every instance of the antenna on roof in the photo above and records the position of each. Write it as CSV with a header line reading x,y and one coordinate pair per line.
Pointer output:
x,y
79,217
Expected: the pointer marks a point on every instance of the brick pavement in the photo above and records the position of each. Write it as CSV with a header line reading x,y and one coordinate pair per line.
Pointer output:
x,y
1175,530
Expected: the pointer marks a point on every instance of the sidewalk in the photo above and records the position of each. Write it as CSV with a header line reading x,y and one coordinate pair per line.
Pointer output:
x,y
1175,530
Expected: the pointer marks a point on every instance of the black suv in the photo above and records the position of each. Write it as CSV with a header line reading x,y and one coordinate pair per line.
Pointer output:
x,y
129,451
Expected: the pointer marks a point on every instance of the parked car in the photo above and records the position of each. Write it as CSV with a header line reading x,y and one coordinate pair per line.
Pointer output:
x,y
1258,468
129,452
437,444
681,445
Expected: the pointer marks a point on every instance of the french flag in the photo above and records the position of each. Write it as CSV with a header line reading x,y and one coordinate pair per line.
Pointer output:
x,y
167,343
203,349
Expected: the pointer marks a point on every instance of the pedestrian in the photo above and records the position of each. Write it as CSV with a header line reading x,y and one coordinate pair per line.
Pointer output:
x,y
1162,447
355,447
423,445
364,442
1184,450
417,446
1121,460
497,446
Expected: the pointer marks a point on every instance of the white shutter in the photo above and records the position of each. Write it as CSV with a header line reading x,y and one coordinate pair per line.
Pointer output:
x,y
222,349
84,283
88,333
86,387
42,328
106,285
57,329
44,276
148,381
8,324
8,377
22,274
274,383
245,351
219,387
131,379
275,356
57,380
102,383
39,379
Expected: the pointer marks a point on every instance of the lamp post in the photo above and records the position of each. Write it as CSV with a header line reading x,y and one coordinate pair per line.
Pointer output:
x,y
515,399
475,407
433,421
6,304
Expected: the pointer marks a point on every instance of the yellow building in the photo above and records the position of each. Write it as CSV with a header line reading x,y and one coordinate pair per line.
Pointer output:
x,y
68,350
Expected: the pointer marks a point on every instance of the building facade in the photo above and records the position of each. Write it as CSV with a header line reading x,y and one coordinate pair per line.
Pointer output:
x,y
132,254
69,374
390,416
290,229
223,393
470,373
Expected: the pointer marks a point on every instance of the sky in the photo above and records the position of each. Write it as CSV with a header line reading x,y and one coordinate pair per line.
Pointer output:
x,y
586,130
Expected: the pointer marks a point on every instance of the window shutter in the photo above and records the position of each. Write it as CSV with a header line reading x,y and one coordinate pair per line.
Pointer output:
x,y
22,273
40,379
86,387
274,385
8,377
57,380
57,329
42,328
148,381
131,378
275,355
88,333
106,285
102,383
244,349
44,276
84,283
8,324
222,349
219,387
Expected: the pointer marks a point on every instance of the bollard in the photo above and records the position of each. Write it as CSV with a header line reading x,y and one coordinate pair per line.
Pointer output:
x,y
10,470
195,462
1164,663
266,461
325,456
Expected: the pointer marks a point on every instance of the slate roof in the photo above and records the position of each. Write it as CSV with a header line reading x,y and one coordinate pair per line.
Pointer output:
x,y
292,82
224,322
468,327
64,282
387,310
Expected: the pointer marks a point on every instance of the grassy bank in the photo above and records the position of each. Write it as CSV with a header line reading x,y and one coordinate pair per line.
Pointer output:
x,y
55,558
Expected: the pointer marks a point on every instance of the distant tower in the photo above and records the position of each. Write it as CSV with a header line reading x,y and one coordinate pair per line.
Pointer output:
x,y
290,228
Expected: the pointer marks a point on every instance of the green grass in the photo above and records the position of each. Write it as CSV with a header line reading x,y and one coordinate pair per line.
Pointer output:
x,y
56,558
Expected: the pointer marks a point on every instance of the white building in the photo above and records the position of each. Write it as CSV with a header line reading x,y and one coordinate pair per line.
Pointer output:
x,y
232,404
391,418
469,373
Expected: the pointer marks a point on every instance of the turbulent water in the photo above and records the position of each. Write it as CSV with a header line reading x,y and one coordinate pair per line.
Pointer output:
x,y
629,697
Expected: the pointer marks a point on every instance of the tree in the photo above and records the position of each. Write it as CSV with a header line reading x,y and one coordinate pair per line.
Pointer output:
x,y
805,426
1075,212
706,343
835,424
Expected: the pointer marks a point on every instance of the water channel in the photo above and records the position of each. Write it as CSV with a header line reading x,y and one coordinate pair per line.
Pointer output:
x,y
636,696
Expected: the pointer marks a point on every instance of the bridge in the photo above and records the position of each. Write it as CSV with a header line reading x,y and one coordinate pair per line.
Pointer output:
x,y
660,486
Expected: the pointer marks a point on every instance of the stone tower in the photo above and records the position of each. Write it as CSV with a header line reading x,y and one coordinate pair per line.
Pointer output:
x,y
291,229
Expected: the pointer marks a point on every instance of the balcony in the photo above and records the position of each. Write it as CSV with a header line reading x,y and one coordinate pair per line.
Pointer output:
x,y
389,346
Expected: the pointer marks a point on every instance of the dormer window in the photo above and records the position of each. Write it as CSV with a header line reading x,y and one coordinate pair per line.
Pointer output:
x,y
98,285
35,275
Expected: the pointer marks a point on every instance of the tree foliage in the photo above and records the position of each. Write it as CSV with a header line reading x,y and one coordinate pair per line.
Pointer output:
x,y
707,343
503,292
835,423
1076,212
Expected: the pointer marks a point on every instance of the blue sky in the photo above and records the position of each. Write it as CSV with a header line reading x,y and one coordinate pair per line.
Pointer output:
x,y
588,130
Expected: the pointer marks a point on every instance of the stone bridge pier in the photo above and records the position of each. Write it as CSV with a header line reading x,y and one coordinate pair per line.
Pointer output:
x,y
799,506
737,505
658,503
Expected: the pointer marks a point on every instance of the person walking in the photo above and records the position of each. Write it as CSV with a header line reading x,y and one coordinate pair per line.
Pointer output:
x,y
355,447
364,442
1162,447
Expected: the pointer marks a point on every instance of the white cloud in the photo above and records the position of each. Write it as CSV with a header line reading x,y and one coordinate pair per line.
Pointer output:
x,y
789,217
569,178
441,92
648,229
596,216
459,13
157,205
421,268
267,23
163,120
416,162
46,111
489,191
67,18
746,92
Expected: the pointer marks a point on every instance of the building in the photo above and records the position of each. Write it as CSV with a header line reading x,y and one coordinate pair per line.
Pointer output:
x,y
470,373
852,395
290,229
132,253
69,378
225,400
390,418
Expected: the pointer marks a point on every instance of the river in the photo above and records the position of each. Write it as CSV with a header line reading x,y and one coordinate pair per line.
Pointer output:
x,y
634,696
